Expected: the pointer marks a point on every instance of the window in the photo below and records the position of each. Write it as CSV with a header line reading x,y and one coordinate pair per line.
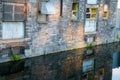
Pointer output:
x,y
88,65
45,8
75,7
90,26
41,17
13,12
91,1
14,15
117,16
91,13
105,11
15,30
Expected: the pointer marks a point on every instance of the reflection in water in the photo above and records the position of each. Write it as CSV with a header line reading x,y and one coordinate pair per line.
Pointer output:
x,y
116,66
77,64
116,59
116,74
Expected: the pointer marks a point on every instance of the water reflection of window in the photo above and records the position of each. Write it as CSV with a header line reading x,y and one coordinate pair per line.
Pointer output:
x,y
88,65
116,73
88,76
101,74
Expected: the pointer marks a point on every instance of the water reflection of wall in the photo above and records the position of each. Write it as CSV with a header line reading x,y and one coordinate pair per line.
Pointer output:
x,y
116,59
68,65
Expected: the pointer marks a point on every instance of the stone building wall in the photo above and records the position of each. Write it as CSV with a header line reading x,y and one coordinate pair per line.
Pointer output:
x,y
61,33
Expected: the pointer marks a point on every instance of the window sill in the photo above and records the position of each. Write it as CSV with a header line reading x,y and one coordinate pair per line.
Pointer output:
x,y
92,5
75,20
43,22
14,40
90,33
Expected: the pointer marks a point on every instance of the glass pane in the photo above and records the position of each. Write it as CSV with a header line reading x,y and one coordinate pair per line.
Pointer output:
x,y
74,14
93,16
14,30
88,65
93,10
105,14
88,10
8,8
87,15
19,9
90,26
7,17
75,6
42,18
91,1
19,17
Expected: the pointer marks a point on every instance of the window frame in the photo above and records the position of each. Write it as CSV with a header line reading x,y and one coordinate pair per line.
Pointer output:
x,y
91,13
77,11
39,13
94,21
89,20
16,9
12,32
13,12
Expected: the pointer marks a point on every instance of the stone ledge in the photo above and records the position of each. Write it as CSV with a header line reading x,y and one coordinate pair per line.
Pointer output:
x,y
14,40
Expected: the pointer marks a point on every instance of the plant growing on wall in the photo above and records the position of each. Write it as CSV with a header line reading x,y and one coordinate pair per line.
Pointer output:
x,y
90,49
15,57
90,46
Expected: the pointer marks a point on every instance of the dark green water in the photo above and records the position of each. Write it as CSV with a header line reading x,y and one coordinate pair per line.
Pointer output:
x,y
100,63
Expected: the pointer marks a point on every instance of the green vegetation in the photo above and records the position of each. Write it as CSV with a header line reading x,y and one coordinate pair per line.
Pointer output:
x,y
15,57
117,36
90,46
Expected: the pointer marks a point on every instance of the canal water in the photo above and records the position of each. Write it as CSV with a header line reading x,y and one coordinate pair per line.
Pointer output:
x,y
98,63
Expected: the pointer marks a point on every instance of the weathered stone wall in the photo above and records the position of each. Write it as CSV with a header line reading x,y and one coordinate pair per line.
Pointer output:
x,y
61,33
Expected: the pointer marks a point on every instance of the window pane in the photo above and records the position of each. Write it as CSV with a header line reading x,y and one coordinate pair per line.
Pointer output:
x,y
74,14
75,6
88,65
19,9
87,15
8,8
42,18
19,17
93,10
91,1
105,14
7,17
93,15
14,30
90,26
88,10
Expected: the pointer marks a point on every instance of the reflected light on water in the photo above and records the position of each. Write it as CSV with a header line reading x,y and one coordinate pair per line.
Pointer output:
x,y
116,74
